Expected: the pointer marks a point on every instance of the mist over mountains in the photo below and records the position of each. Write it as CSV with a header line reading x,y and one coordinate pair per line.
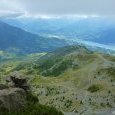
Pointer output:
x,y
57,57
32,35
95,29
69,64
13,39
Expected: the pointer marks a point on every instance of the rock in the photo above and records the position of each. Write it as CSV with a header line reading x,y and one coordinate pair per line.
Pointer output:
x,y
20,82
16,80
113,112
3,86
12,99
13,96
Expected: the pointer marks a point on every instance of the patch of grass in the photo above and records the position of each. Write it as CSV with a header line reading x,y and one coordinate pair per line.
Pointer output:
x,y
31,98
94,88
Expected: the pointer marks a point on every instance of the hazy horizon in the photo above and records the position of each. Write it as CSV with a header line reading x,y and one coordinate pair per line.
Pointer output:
x,y
54,8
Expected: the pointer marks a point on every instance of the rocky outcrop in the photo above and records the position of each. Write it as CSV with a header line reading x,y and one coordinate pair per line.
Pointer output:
x,y
13,96
17,80
12,99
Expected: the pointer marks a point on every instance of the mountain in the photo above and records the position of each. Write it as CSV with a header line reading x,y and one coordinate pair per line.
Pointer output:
x,y
13,39
73,79
38,26
106,37
99,30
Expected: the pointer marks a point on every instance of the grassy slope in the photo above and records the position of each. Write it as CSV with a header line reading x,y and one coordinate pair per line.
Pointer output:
x,y
69,90
72,85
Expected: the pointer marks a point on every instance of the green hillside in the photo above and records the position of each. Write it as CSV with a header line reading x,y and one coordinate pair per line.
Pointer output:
x,y
72,79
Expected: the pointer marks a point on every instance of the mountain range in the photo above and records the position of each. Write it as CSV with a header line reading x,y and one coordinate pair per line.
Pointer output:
x,y
13,39
99,30
68,64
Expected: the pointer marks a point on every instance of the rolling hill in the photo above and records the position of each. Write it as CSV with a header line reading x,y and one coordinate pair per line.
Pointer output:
x,y
73,79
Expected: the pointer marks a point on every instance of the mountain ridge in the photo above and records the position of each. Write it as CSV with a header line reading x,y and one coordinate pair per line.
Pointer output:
x,y
89,75
13,39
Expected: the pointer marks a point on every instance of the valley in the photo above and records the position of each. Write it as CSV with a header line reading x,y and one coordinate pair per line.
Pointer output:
x,y
69,65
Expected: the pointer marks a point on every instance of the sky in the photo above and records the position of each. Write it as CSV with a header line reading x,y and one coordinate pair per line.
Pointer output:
x,y
16,8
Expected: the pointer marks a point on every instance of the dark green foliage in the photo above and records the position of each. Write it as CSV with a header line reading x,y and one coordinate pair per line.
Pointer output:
x,y
52,91
52,64
94,88
58,68
28,67
55,63
35,109
31,98
68,103
3,110
103,105
48,63
109,105
111,71
32,108
109,92
21,66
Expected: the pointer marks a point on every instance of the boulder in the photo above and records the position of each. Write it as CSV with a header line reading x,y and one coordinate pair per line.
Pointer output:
x,y
16,80
12,99
13,96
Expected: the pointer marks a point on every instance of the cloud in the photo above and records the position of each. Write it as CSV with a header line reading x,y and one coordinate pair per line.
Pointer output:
x,y
10,9
10,14
10,5
60,7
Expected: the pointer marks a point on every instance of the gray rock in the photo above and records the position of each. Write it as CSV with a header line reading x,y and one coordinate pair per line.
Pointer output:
x,y
12,99
17,80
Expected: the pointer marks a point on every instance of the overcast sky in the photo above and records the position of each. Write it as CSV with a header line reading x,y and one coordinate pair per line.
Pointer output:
x,y
12,8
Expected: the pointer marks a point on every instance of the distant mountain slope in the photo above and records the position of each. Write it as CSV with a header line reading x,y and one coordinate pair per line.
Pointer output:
x,y
100,30
56,63
16,40
106,37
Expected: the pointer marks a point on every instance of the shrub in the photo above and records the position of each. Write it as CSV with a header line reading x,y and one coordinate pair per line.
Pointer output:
x,y
31,98
94,88
35,109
